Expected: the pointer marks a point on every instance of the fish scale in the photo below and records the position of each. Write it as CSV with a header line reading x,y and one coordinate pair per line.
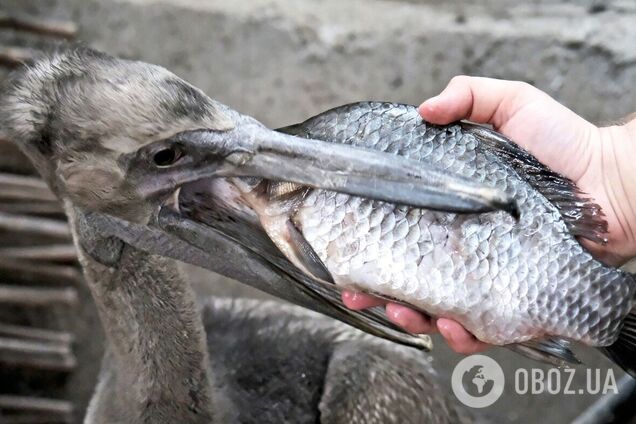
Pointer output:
x,y
505,281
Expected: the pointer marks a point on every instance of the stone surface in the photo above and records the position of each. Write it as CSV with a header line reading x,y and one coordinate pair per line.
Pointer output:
x,y
284,60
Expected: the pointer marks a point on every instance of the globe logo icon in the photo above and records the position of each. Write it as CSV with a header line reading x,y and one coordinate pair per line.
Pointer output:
x,y
477,381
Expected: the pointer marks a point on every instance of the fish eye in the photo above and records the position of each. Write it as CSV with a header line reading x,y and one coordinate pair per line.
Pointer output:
x,y
167,156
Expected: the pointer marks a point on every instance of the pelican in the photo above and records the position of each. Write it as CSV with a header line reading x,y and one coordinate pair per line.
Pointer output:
x,y
115,140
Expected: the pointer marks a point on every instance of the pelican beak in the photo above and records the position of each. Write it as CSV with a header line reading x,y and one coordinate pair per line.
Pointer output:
x,y
250,149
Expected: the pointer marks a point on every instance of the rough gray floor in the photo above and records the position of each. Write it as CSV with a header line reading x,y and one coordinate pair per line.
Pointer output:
x,y
284,60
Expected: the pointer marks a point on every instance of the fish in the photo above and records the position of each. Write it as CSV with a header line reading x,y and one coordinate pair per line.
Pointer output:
x,y
522,281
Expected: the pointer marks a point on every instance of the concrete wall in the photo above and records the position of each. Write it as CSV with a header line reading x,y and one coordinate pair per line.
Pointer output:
x,y
284,60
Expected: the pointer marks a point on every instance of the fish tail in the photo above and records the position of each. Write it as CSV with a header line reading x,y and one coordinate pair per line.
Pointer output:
x,y
623,351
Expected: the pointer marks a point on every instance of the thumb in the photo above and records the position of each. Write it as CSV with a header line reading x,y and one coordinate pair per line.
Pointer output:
x,y
483,100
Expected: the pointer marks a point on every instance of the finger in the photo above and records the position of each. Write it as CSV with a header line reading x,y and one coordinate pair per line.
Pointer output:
x,y
412,321
460,340
356,300
483,100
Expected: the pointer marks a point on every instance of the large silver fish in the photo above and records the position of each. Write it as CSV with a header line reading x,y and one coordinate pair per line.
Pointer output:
x,y
522,281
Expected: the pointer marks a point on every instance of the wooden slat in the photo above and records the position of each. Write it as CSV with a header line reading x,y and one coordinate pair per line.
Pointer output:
x,y
22,187
8,192
41,334
25,182
55,28
15,56
34,225
31,272
53,410
29,207
27,347
54,252
37,296
38,355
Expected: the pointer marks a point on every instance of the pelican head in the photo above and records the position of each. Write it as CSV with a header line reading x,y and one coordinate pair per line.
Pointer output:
x,y
99,129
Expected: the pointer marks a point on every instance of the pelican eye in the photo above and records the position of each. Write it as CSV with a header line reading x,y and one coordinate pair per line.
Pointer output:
x,y
167,157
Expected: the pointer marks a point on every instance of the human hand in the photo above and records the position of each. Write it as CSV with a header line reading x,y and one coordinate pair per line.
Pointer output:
x,y
597,159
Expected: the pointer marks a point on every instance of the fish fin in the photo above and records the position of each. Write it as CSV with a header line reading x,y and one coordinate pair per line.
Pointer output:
x,y
304,256
293,246
583,217
553,351
284,197
294,129
623,351
283,190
